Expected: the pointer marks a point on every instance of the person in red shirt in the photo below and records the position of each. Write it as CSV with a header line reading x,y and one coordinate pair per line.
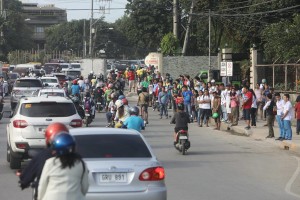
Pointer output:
x,y
131,80
247,102
297,114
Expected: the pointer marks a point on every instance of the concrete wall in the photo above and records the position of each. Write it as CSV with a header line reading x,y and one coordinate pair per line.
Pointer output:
x,y
190,65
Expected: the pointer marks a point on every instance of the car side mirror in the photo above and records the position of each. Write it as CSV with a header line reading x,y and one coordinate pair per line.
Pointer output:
x,y
46,84
7,114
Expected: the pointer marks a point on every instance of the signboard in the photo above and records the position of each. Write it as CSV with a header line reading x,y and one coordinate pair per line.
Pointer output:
x,y
223,69
229,66
152,60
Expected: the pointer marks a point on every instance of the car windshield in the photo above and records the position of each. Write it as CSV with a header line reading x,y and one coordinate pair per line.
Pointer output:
x,y
112,146
12,76
28,83
52,94
75,66
48,109
50,80
61,77
73,73
64,66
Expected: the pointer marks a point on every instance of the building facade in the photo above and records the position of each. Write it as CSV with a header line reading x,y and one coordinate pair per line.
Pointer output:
x,y
40,17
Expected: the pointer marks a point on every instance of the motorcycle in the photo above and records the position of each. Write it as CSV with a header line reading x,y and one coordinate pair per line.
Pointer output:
x,y
182,143
99,105
88,115
33,185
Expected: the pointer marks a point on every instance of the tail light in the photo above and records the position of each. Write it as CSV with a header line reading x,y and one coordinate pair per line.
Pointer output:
x,y
20,145
153,174
20,124
76,123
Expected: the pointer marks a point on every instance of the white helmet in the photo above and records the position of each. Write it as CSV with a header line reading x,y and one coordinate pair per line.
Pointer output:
x,y
98,85
212,81
119,103
92,72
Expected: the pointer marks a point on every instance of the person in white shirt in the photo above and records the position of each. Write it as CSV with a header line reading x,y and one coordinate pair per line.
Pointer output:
x,y
199,99
223,102
287,117
279,112
258,93
205,100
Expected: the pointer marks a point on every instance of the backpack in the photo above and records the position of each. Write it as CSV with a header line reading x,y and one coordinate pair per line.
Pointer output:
x,y
146,97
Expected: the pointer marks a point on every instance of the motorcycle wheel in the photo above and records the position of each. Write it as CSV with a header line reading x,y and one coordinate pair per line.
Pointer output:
x,y
183,150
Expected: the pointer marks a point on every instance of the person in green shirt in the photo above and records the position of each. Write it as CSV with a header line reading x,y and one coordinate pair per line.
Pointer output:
x,y
145,83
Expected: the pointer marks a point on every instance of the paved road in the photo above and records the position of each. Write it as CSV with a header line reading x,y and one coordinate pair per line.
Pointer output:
x,y
219,166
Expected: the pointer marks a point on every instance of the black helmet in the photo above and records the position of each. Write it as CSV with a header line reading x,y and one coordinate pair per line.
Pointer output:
x,y
180,106
63,144
134,110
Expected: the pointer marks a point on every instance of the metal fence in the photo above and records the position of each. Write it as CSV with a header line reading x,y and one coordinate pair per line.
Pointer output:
x,y
282,77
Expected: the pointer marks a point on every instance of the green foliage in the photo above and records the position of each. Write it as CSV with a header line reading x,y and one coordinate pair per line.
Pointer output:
x,y
17,34
281,40
169,45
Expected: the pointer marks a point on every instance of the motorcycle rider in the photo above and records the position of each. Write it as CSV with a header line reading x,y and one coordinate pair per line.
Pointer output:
x,y
134,121
89,104
98,95
122,114
31,174
181,120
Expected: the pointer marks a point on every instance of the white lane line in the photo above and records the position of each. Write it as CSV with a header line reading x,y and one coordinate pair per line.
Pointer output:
x,y
289,184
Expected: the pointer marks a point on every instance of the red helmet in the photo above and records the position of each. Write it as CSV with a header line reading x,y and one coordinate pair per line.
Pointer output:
x,y
53,129
75,81
125,101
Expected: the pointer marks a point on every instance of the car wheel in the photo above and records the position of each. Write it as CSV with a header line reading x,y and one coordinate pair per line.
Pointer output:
x,y
15,163
7,153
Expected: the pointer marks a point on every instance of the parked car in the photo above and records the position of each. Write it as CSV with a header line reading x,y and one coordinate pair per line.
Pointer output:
x,y
52,92
25,130
24,87
121,164
50,81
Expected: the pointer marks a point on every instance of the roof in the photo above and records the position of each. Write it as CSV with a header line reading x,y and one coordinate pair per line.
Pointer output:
x,y
45,99
52,90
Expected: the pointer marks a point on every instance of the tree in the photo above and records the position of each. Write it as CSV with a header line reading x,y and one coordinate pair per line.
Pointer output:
x,y
169,45
281,40
17,35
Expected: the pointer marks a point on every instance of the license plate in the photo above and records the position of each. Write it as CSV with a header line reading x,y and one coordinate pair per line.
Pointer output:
x,y
42,130
183,137
113,178
87,114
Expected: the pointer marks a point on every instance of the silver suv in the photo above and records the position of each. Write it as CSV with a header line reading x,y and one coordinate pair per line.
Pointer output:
x,y
26,128
24,87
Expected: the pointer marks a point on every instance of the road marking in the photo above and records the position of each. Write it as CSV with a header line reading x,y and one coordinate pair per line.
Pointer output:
x,y
292,180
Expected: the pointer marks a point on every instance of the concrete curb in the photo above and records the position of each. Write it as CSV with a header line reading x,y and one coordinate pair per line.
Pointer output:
x,y
239,130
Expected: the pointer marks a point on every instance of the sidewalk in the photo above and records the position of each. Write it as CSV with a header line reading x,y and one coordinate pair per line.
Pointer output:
x,y
260,132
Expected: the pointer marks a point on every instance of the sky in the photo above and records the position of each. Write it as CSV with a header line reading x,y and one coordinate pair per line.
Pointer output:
x,y
112,11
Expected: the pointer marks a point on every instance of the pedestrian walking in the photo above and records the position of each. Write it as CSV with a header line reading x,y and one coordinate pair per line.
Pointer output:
x,y
163,99
268,108
253,108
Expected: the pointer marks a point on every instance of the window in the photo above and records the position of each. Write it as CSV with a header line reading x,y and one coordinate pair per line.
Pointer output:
x,y
28,83
112,146
48,109
40,29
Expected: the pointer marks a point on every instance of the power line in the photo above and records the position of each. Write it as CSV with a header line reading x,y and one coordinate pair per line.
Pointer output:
x,y
252,5
246,14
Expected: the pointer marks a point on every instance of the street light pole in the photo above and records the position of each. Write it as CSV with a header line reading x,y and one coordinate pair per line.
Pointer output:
x,y
91,29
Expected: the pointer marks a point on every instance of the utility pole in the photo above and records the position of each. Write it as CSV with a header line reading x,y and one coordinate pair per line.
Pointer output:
x,y
175,18
84,40
91,28
209,58
187,33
